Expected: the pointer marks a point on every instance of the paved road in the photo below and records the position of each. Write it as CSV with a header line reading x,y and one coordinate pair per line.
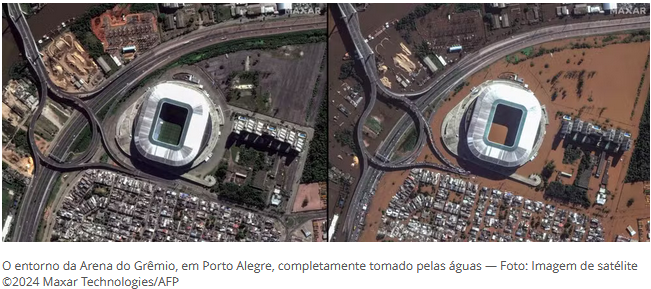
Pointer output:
x,y
440,87
44,176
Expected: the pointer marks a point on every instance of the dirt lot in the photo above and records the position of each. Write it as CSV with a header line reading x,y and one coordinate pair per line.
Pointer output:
x,y
614,86
288,77
308,198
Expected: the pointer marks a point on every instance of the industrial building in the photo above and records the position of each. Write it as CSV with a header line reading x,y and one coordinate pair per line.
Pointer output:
x,y
260,128
173,123
514,112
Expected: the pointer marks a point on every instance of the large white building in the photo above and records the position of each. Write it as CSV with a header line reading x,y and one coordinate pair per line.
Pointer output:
x,y
173,123
505,121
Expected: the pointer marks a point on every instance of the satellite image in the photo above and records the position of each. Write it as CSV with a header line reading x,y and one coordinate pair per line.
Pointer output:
x,y
164,122
501,122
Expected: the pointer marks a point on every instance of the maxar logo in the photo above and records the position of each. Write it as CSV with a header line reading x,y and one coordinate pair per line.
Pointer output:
x,y
628,10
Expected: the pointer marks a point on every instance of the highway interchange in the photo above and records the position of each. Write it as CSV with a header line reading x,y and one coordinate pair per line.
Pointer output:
x,y
48,168
372,165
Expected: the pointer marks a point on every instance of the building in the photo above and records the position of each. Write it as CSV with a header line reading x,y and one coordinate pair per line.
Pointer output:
x,y
129,49
430,64
503,129
441,60
284,7
180,19
505,21
586,133
277,136
102,63
496,21
609,7
581,9
456,48
173,123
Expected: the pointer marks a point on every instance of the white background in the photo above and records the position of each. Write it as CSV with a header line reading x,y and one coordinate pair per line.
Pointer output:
x,y
484,253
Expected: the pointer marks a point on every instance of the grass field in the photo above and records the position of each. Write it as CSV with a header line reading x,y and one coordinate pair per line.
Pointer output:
x,y
172,119
373,124
170,133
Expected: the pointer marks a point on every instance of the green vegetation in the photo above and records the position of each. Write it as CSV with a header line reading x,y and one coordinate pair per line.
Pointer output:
x,y
142,7
463,7
374,125
10,181
630,202
82,142
347,70
408,23
345,138
221,171
585,164
222,13
82,30
571,154
527,51
459,87
409,141
265,43
254,159
46,129
244,195
639,87
104,158
6,202
638,168
316,165
170,133
19,70
21,141
567,194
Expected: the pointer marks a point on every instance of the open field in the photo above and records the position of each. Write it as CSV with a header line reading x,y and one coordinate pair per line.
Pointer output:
x,y
614,76
287,79
308,198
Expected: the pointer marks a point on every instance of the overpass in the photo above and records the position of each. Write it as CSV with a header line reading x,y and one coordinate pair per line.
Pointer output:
x,y
48,169
443,85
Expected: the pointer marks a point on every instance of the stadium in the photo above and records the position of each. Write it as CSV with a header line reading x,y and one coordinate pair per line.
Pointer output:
x,y
500,126
504,126
173,124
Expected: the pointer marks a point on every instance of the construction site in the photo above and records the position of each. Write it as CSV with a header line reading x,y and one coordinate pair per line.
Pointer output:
x,y
124,32
69,65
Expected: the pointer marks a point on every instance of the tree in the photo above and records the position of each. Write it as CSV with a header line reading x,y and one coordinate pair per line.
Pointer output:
x,y
630,202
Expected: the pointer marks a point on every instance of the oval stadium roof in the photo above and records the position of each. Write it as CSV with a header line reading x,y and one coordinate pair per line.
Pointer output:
x,y
192,107
524,112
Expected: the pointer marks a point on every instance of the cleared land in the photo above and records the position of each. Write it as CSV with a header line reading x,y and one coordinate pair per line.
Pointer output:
x,y
614,76
307,198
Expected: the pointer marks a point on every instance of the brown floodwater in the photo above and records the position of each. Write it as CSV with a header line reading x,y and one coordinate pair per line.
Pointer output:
x,y
45,21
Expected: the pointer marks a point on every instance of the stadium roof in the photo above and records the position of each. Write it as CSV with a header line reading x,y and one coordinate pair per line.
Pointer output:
x,y
515,96
182,95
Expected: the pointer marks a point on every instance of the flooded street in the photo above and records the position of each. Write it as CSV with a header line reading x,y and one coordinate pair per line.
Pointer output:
x,y
42,23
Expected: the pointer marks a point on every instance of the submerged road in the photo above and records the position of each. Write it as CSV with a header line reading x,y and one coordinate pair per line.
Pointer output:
x,y
371,166
48,169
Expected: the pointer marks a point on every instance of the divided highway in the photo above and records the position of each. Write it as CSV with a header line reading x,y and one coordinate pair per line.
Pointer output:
x,y
370,165
45,173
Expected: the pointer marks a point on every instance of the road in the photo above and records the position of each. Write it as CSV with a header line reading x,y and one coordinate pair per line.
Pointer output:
x,y
370,165
128,77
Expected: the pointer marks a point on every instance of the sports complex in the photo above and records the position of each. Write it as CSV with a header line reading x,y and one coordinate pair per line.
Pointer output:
x,y
499,125
173,124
